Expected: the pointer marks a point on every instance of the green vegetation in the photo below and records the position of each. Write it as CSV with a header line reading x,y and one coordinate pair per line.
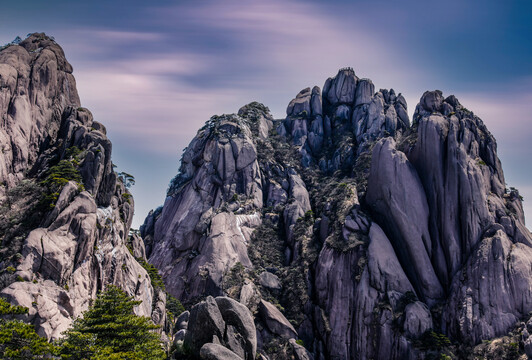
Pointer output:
x,y
153,273
174,308
127,197
233,280
506,347
267,245
432,340
111,330
334,200
127,179
512,350
253,112
279,348
409,139
60,174
19,340
74,153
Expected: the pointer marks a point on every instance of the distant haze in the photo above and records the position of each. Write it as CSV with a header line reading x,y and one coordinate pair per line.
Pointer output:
x,y
153,73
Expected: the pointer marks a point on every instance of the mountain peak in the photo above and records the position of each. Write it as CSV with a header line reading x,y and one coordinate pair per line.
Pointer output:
x,y
65,213
345,227
350,212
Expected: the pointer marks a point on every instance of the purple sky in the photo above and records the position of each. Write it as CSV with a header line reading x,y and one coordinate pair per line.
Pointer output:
x,y
154,72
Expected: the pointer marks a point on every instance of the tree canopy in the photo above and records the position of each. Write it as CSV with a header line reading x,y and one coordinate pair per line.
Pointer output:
x,y
111,330
19,340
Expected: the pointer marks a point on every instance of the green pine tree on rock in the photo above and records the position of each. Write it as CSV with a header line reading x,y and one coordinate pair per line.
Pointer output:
x,y
111,330
19,340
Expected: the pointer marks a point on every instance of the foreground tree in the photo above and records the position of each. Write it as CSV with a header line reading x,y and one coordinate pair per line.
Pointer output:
x,y
19,340
111,330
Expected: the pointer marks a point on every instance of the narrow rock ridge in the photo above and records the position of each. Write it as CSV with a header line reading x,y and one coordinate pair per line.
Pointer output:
x,y
367,230
58,257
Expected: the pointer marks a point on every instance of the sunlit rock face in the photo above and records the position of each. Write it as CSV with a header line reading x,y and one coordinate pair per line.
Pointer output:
x,y
78,246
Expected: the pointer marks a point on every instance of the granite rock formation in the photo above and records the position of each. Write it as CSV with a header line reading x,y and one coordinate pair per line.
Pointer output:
x,y
344,231
56,259
349,227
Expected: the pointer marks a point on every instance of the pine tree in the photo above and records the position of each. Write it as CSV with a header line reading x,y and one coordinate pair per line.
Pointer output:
x,y
19,340
111,330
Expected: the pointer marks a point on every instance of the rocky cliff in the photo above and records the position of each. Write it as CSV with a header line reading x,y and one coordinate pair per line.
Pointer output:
x,y
65,213
347,228
344,231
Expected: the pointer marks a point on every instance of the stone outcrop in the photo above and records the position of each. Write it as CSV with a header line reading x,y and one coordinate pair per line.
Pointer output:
x,y
348,115
219,171
344,231
396,195
372,233
220,328
37,86
217,352
276,321
79,245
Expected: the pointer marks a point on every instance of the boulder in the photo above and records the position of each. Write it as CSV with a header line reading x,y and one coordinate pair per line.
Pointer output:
x,y
527,344
300,106
180,335
315,101
217,352
300,352
432,100
238,316
417,319
250,296
341,89
275,321
364,92
270,281
204,324
182,320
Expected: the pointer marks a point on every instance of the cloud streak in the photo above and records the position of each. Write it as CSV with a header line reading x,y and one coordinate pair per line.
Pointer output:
x,y
155,76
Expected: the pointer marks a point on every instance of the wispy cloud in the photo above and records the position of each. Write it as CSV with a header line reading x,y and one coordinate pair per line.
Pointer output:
x,y
155,76
154,112
127,36
272,51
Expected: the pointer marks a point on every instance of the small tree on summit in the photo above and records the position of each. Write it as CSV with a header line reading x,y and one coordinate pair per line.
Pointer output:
x,y
127,179
111,330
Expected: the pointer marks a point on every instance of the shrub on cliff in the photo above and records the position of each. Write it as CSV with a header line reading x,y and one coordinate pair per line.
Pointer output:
x,y
57,177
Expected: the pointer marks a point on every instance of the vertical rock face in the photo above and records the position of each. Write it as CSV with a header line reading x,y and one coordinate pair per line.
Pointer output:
x,y
396,196
36,85
344,231
381,233
462,177
345,227
78,246
211,208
